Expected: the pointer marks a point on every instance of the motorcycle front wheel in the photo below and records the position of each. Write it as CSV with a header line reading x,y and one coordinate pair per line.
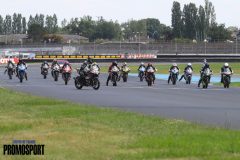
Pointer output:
x,y
95,84
78,85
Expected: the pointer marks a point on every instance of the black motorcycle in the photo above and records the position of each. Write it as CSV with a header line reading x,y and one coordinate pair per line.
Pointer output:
x,y
174,75
150,76
114,75
188,76
10,71
206,78
45,71
141,73
124,74
226,79
90,80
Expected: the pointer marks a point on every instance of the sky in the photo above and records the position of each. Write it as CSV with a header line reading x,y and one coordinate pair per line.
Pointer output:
x,y
227,11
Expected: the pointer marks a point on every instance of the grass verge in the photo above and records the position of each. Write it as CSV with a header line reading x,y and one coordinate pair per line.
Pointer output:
x,y
73,131
233,84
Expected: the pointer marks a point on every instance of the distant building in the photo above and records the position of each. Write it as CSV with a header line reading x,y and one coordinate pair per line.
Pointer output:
x,y
68,38
13,38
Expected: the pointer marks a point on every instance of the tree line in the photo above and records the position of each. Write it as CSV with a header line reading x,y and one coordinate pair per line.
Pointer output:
x,y
191,22
198,23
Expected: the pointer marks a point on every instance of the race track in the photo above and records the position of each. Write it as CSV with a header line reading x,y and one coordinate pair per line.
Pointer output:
x,y
215,106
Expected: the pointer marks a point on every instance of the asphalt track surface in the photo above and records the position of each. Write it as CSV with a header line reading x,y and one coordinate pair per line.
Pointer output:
x,y
214,106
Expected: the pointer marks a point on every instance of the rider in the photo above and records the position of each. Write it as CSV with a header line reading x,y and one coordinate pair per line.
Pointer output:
x,y
95,64
114,64
189,66
225,68
8,64
206,66
54,62
174,65
140,66
21,62
124,65
148,67
66,64
85,67
43,64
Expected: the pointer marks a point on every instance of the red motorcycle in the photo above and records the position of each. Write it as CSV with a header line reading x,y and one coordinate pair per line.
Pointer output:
x,y
66,74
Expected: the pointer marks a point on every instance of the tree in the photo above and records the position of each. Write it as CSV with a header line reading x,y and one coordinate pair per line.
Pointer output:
x,y
210,16
219,32
190,20
41,20
201,23
24,25
7,24
36,32
64,23
30,21
14,23
55,23
86,27
19,24
1,25
177,23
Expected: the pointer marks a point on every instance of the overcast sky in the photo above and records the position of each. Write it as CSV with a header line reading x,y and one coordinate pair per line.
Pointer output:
x,y
122,10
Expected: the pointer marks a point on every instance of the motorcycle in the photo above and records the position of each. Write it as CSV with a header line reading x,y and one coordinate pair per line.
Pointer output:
x,y
21,72
226,79
90,80
114,75
55,72
10,71
188,75
149,76
124,74
66,74
206,78
174,75
141,73
45,71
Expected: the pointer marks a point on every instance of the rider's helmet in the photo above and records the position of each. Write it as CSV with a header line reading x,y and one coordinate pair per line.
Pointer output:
x,y
89,60
189,64
149,64
54,60
226,65
45,62
205,61
20,61
125,63
94,63
142,63
207,65
114,63
174,64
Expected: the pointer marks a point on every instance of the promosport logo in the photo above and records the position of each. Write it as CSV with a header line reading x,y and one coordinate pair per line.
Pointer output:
x,y
23,147
5,60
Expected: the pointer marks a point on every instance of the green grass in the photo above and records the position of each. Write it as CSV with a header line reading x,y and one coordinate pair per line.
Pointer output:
x,y
163,68
233,84
72,131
